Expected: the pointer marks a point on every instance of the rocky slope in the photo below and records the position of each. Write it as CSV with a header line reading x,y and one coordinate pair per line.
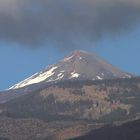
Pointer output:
x,y
91,100
71,103
79,65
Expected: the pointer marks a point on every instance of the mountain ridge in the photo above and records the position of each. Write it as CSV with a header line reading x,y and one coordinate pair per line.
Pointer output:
x,y
79,65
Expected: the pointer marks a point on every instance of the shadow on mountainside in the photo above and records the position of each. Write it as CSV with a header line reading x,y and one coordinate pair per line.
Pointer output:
x,y
129,131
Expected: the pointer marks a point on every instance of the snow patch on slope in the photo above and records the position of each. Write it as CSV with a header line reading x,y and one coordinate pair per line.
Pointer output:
x,y
68,58
36,78
60,76
75,75
98,77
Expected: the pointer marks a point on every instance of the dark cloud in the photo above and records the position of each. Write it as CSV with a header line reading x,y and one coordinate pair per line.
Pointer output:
x,y
65,22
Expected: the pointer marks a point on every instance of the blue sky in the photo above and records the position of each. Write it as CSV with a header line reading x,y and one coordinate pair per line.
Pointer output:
x,y
17,63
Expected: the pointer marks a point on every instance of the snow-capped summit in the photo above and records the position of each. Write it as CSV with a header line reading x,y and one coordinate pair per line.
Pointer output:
x,y
79,65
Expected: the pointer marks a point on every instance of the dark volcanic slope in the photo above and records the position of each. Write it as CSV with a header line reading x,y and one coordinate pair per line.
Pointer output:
x,y
70,109
129,131
105,101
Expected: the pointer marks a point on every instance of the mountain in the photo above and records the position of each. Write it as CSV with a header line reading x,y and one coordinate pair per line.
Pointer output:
x,y
79,65
77,95
70,109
